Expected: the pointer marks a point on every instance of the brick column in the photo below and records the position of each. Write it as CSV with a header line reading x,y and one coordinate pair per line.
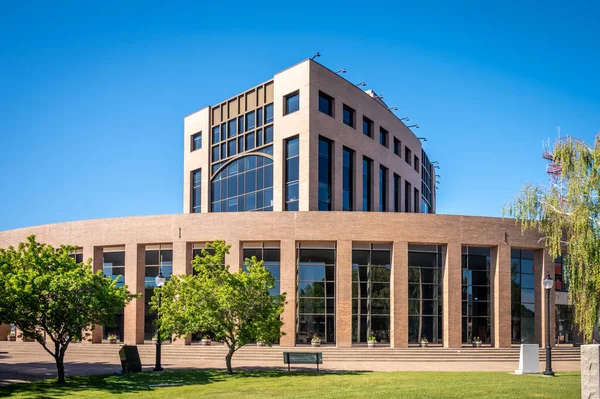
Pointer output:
x,y
233,258
4,331
500,280
399,296
182,264
543,264
134,278
452,294
343,308
288,285
337,175
97,256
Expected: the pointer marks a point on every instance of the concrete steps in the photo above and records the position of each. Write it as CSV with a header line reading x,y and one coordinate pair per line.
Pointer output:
x,y
275,354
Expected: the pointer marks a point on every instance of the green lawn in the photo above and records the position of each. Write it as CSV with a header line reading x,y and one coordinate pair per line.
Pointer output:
x,y
283,384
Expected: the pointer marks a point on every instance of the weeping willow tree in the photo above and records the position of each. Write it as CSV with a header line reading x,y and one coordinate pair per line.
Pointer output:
x,y
567,215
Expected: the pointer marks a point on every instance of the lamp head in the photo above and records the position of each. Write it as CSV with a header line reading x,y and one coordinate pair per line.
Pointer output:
x,y
548,282
160,280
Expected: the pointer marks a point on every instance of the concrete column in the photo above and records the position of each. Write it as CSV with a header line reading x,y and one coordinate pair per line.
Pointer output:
x,y
97,255
4,331
399,296
543,264
500,280
343,311
288,285
452,295
182,265
234,257
134,278
590,371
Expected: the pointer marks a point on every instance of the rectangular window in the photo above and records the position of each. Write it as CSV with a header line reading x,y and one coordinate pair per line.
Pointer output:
x,y
250,121
325,166
349,116
523,296
397,188
371,273
216,136
325,104
231,148
383,137
291,103
348,180
268,134
407,155
241,124
232,128
259,117
114,267
416,200
196,190
407,196
269,253
367,126
269,113
397,147
383,189
416,165
367,184
158,258
292,174
316,270
475,294
197,141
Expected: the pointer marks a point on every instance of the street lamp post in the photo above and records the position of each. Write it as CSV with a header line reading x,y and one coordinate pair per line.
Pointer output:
x,y
160,281
548,283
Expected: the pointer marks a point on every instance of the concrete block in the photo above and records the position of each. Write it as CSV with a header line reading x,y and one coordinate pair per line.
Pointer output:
x,y
529,360
590,371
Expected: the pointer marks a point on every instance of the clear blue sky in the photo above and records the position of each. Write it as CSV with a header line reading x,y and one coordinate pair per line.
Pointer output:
x,y
92,96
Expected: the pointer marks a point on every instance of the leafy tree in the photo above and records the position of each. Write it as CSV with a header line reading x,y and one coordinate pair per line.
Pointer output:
x,y
53,299
568,217
235,307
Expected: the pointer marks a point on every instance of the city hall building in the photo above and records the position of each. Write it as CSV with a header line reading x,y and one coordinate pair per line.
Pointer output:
x,y
323,182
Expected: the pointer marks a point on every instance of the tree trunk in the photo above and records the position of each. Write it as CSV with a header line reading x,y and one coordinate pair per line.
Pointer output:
x,y
228,359
60,366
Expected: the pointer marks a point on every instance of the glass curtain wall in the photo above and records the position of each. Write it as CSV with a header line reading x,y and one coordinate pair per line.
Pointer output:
x,y
425,293
522,296
371,271
114,267
475,294
292,174
270,254
159,258
315,297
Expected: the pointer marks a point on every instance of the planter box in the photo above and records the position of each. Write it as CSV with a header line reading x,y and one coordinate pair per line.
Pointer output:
x,y
315,344
371,344
259,343
28,339
476,344
12,339
112,341
205,342
424,344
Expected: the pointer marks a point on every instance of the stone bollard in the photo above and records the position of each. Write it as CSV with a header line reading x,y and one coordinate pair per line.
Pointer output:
x,y
529,360
590,371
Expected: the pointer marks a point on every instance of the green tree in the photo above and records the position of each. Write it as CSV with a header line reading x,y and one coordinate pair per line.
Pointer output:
x,y
235,307
567,215
53,299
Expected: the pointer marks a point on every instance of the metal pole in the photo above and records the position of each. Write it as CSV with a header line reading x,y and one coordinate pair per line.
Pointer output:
x,y
157,366
548,371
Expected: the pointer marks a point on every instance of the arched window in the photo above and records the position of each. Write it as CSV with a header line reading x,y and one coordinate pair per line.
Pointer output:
x,y
245,184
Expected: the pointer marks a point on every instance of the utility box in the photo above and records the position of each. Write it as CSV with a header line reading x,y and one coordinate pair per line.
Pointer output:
x,y
130,359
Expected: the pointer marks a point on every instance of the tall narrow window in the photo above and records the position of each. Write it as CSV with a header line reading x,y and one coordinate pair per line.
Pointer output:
x,y
196,191
349,116
114,267
269,113
367,184
367,127
325,104
476,294
383,137
316,292
407,155
250,121
523,296
348,178
416,201
397,188
407,196
325,165
383,189
158,258
232,128
292,103
197,141
397,147
416,164
269,253
292,174
371,292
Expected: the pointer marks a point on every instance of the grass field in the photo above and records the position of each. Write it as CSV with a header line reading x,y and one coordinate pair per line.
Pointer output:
x,y
299,384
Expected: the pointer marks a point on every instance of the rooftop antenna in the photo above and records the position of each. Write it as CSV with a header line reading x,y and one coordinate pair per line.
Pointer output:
x,y
361,84
394,108
343,70
316,55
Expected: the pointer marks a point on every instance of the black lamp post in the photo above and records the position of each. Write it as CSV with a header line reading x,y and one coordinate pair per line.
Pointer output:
x,y
548,283
160,281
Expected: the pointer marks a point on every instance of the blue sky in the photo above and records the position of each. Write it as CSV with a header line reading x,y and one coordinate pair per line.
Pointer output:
x,y
93,95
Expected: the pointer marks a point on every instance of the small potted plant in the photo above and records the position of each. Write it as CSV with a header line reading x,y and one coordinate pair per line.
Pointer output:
x,y
155,339
424,342
12,336
206,341
316,341
260,343
476,342
371,341
112,338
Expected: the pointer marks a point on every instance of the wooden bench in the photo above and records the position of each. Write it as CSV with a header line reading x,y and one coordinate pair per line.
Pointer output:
x,y
302,358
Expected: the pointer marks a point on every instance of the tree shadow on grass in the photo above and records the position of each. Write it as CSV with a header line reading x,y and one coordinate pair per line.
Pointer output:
x,y
148,381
